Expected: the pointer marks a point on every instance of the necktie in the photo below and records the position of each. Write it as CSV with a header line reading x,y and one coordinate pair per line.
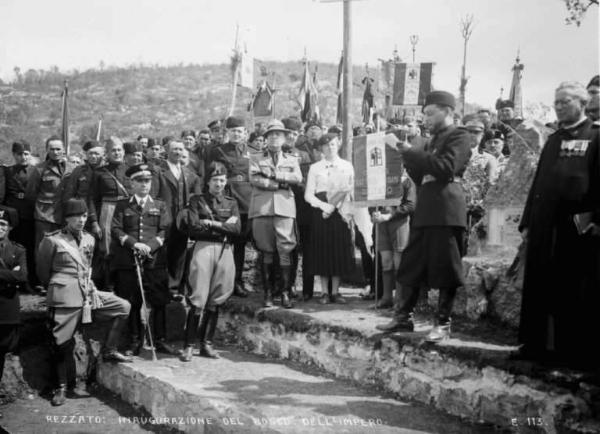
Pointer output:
x,y
141,205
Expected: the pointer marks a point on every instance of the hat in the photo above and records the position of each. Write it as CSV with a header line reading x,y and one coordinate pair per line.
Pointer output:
x,y
20,147
90,144
492,134
151,142
139,171
188,133
292,123
325,139
204,131
595,81
335,129
275,125
214,124
216,168
9,215
74,207
310,124
475,125
132,147
234,122
440,97
505,104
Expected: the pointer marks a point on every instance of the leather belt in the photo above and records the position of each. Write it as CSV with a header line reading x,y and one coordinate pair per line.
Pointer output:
x,y
113,198
20,195
431,178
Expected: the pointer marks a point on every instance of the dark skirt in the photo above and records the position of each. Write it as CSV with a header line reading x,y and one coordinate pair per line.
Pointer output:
x,y
331,249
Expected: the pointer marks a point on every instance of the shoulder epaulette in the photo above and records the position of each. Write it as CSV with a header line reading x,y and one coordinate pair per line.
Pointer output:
x,y
56,232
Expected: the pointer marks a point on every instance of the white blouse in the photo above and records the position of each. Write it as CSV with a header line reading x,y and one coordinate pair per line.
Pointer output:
x,y
332,177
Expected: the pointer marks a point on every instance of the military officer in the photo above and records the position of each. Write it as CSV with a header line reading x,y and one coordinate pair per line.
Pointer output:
x,y
134,153
13,274
78,185
44,188
180,184
273,208
211,220
63,266
16,179
138,229
236,157
436,241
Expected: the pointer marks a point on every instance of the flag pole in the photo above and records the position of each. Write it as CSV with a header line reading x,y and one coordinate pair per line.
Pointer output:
x,y
347,75
99,129
235,71
65,117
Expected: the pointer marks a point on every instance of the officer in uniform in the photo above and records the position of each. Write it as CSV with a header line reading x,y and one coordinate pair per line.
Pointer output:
x,y
78,185
16,178
435,248
507,122
63,266
44,188
13,274
234,154
138,229
211,220
273,209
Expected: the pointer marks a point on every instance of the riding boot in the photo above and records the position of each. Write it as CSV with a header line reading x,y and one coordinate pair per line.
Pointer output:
x,y
135,330
207,332
267,275
286,287
63,354
159,322
191,327
110,352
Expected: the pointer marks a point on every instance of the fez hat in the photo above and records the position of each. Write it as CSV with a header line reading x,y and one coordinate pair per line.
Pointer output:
x,y
325,139
234,122
335,129
492,134
214,124
595,81
216,168
506,103
20,147
132,147
74,207
475,125
90,144
9,215
440,97
139,171
151,142
310,124
275,125
292,123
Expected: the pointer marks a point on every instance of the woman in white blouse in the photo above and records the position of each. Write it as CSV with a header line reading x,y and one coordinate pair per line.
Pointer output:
x,y
329,188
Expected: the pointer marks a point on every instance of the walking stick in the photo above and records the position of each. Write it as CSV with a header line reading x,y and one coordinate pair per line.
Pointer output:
x,y
147,327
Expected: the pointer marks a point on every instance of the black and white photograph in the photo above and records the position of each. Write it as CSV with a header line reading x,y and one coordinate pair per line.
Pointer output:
x,y
299,216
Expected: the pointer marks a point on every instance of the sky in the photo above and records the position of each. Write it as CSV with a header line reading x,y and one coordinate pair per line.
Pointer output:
x,y
81,33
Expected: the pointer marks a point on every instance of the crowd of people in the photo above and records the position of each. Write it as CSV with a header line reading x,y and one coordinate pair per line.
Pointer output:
x,y
174,217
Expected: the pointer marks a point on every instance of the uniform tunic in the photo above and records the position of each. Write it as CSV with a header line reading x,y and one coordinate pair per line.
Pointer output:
x,y
13,273
210,281
562,268
434,252
148,225
63,267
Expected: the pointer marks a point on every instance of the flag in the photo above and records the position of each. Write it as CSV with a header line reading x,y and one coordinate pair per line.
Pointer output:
x,y
308,96
262,103
516,92
386,75
412,83
367,103
339,116
65,118
242,61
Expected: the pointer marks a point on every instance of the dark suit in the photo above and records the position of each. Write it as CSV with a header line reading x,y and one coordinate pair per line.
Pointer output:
x,y
177,195
435,247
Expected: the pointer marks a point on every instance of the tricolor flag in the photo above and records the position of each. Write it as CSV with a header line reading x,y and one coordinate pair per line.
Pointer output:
x,y
242,61
65,118
412,83
308,96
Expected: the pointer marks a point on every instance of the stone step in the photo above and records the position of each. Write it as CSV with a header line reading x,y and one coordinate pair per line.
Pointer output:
x,y
241,393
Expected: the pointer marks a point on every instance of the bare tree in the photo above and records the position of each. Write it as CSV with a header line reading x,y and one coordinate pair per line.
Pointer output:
x,y
466,30
577,9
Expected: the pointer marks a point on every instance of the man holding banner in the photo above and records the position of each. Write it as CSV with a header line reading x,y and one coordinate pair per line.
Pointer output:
x,y
435,248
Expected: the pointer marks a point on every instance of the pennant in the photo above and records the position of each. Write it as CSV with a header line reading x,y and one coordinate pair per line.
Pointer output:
x,y
65,118
412,83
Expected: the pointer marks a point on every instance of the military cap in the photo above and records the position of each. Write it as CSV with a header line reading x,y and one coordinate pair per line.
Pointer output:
x,y
151,142
492,134
275,125
90,144
216,168
188,133
139,171
234,122
214,124
9,215
20,147
595,81
325,139
74,207
132,147
310,124
166,140
292,123
475,125
204,131
440,97
335,129
506,103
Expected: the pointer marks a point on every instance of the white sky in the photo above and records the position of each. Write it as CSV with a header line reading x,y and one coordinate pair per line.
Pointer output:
x,y
80,33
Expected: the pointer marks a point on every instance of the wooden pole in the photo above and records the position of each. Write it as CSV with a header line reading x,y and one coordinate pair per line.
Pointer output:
x,y
347,76
235,72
